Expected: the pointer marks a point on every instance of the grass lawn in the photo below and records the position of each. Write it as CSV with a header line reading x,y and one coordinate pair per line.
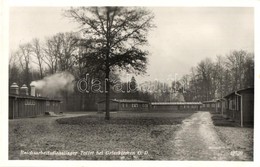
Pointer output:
x,y
127,136
239,139
219,120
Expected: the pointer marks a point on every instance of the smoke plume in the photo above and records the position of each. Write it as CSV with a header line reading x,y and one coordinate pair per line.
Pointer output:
x,y
55,84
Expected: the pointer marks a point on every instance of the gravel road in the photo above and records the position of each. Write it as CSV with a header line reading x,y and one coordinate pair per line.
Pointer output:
x,y
197,139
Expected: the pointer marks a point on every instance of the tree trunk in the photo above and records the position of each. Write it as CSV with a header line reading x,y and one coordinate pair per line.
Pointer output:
x,y
82,106
107,82
107,91
41,73
67,101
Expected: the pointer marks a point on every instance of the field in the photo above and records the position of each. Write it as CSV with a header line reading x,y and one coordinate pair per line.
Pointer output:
x,y
127,136
239,139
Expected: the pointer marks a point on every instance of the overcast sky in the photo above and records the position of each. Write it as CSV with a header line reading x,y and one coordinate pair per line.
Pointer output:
x,y
183,37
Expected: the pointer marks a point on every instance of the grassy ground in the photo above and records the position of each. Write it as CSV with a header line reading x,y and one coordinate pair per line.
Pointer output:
x,y
218,120
138,136
240,140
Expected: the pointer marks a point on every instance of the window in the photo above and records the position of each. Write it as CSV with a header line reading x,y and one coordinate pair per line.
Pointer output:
x,y
232,104
144,105
47,103
134,105
29,102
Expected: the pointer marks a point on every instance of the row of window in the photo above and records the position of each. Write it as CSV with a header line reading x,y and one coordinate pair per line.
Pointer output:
x,y
29,102
135,105
208,105
190,106
176,107
32,102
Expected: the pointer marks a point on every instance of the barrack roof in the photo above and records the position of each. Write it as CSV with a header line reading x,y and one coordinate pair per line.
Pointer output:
x,y
32,97
176,103
126,101
210,101
239,91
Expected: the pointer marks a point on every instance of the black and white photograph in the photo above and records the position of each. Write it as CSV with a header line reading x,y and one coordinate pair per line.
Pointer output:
x,y
131,83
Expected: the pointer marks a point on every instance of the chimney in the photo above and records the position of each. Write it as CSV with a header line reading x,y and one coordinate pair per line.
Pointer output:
x,y
24,90
14,89
32,89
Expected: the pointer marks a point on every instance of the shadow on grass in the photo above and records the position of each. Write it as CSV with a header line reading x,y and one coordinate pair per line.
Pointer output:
x,y
219,120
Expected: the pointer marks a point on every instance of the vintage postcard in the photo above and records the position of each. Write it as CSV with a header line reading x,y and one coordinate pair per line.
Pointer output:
x,y
131,83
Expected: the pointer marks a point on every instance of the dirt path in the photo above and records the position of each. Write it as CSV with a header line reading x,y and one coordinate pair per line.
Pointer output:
x,y
197,139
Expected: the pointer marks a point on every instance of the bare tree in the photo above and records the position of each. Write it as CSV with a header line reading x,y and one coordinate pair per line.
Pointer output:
x,y
50,56
227,74
67,44
204,72
37,53
235,64
24,56
194,86
249,71
14,70
185,82
60,52
114,36
219,70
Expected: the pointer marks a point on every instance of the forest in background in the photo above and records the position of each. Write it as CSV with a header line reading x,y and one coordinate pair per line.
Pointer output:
x,y
213,77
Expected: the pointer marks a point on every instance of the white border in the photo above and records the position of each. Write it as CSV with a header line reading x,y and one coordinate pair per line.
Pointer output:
x,y
4,49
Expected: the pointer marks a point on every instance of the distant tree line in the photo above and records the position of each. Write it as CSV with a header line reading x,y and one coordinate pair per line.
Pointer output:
x,y
210,79
215,79
63,52
36,59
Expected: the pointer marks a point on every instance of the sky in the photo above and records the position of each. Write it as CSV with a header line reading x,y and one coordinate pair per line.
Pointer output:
x,y
183,37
